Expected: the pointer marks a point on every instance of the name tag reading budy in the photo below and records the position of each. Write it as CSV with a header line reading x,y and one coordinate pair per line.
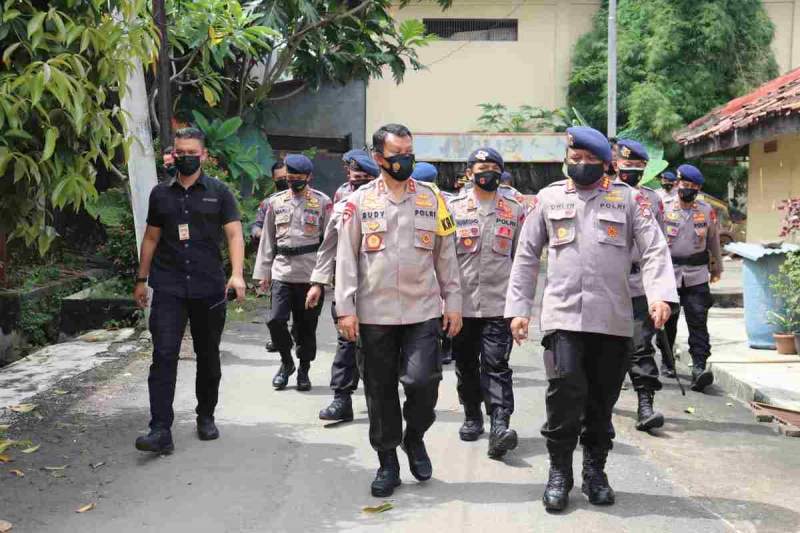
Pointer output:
x,y
183,232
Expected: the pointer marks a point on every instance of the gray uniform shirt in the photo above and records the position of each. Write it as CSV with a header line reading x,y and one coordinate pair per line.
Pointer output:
x,y
664,195
589,236
635,281
326,256
291,221
486,238
691,231
396,259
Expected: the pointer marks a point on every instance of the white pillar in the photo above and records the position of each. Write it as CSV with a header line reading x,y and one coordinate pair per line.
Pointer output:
x,y
612,68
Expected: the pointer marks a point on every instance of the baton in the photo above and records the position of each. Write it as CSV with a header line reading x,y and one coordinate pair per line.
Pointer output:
x,y
665,345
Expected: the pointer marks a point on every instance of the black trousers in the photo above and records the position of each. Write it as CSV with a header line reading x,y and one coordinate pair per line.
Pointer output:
x,y
695,301
168,317
290,298
585,372
409,355
482,349
344,371
643,369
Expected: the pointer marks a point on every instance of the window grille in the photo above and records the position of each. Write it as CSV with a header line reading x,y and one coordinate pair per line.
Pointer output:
x,y
472,29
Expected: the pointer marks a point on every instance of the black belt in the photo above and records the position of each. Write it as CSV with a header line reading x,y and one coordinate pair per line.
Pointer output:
x,y
299,250
635,269
698,259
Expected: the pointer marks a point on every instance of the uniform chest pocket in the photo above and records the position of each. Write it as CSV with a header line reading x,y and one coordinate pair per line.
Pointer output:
x,y
503,238
311,222
611,227
700,229
562,226
424,232
373,242
672,229
208,207
283,219
467,244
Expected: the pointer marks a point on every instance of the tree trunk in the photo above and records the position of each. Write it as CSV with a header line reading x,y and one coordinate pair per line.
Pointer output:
x,y
163,77
3,259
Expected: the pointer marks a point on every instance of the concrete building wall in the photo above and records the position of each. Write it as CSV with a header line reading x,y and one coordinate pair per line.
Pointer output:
x,y
785,15
773,177
532,70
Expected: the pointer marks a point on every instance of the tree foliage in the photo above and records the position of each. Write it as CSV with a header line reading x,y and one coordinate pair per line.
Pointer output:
x,y
64,67
677,60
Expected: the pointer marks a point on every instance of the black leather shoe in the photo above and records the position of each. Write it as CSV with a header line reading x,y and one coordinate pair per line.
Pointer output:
x,y
303,383
667,371
447,358
388,476
501,438
701,378
418,461
471,429
595,482
281,378
340,409
647,418
271,346
559,482
157,441
206,428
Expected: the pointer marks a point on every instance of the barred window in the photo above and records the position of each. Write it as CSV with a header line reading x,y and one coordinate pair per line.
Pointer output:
x,y
473,29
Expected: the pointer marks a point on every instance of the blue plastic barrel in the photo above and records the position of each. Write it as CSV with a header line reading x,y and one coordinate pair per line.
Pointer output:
x,y
759,264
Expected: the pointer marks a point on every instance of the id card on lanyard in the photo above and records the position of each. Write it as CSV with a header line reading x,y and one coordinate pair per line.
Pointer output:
x,y
183,232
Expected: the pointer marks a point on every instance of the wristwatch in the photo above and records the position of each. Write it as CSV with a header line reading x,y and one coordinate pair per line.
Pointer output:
x,y
141,280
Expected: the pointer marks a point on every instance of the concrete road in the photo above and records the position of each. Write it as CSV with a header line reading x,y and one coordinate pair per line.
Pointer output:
x,y
278,468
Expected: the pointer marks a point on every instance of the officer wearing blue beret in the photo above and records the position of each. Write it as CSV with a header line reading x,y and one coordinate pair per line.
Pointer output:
x,y
692,231
425,172
588,224
668,180
346,188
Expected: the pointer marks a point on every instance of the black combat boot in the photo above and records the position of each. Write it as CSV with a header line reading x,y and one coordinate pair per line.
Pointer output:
x,y
595,481
701,377
206,428
667,371
501,438
388,476
647,418
472,428
340,409
157,441
271,346
418,461
303,383
559,482
287,368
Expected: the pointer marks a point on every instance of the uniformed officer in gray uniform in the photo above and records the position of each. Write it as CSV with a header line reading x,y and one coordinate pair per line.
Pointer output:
x,y
693,234
344,374
292,234
630,163
347,188
588,225
668,189
395,266
487,228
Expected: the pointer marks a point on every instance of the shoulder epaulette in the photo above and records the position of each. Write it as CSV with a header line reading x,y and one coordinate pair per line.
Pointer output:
x,y
559,183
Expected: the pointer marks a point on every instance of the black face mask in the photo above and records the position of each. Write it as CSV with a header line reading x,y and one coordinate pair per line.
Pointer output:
x,y
297,185
356,184
631,176
585,173
187,164
687,195
667,185
400,166
281,185
488,181
171,170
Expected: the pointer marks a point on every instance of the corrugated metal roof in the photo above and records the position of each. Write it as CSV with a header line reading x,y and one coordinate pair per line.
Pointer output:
x,y
778,97
754,251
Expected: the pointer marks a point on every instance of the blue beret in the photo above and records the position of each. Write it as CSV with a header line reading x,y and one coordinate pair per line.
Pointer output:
x,y
424,172
367,164
483,155
350,154
505,177
691,173
630,149
585,138
298,164
669,176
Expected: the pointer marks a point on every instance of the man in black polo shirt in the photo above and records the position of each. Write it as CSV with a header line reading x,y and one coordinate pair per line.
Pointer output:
x,y
180,259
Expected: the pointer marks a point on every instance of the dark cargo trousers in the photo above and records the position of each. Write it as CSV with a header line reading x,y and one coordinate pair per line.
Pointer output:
x,y
585,372
290,299
482,350
695,301
344,371
407,354
643,370
168,317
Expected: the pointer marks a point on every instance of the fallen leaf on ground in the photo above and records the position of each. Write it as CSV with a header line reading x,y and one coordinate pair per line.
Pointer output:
x,y
38,415
32,449
97,465
23,407
729,404
689,410
6,443
16,472
60,392
58,475
55,468
4,428
5,526
382,508
5,459
85,508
